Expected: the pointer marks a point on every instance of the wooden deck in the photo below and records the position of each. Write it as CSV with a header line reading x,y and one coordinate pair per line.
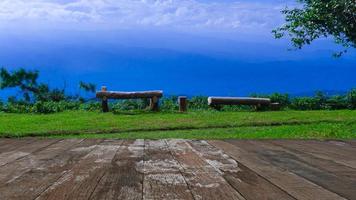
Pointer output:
x,y
177,169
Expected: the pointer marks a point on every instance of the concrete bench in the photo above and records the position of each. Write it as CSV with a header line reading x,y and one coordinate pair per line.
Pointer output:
x,y
154,97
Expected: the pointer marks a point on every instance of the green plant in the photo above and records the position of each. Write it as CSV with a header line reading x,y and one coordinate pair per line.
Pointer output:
x,y
54,107
46,94
87,87
351,99
320,18
90,106
1,106
25,80
282,99
130,104
235,108
336,102
169,104
305,103
198,103
17,107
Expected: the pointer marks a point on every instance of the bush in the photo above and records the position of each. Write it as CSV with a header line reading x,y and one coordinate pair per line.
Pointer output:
x,y
46,107
125,105
198,103
336,102
305,103
351,99
1,106
90,106
235,108
54,107
282,99
319,101
169,104
17,107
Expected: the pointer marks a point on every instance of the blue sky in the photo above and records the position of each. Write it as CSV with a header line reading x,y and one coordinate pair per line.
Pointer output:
x,y
210,47
182,15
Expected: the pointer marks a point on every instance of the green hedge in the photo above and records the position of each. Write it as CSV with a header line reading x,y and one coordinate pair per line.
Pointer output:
x,y
319,101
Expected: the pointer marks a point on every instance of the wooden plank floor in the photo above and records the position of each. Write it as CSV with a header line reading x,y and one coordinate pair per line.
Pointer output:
x,y
177,169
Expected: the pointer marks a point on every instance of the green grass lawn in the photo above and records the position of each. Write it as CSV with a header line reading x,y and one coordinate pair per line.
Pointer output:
x,y
195,125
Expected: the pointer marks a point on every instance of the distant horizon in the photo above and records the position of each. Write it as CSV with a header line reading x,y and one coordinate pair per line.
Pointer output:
x,y
187,47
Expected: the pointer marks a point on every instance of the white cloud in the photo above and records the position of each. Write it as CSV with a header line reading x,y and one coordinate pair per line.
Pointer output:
x,y
181,14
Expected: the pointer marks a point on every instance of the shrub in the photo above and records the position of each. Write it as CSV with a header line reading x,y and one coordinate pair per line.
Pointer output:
x,y
1,106
235,108
54,107
282,99
336,102
169,104
125,105
321,99
198,103
351,99
305,103
17,107
46,107
91,106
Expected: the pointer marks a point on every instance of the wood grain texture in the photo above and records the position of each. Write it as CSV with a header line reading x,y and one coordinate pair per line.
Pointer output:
x,y
129,95
336,151
124,177
7,145
21,151
46,167
37,160
203,179
294,185
334,177
162,176
237,101
177,169
244,180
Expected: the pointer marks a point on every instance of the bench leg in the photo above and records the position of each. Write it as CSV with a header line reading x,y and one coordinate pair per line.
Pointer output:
x,y
104,105
154,104
182,101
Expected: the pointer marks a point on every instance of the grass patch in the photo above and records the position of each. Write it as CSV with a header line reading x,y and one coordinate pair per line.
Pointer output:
x,y
194,125
306,131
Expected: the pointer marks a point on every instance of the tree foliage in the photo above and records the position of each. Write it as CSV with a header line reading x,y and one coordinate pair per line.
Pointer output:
x,y
320,18
26,81
88,87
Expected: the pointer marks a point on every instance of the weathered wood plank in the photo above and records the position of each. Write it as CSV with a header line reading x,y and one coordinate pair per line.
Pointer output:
x,y
315,155
124,177
337,151
50,166
80,181
203,179
12,144
24,150
244,180
296,186
351,142
129,95
330,175
238,101
39,159
162,177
